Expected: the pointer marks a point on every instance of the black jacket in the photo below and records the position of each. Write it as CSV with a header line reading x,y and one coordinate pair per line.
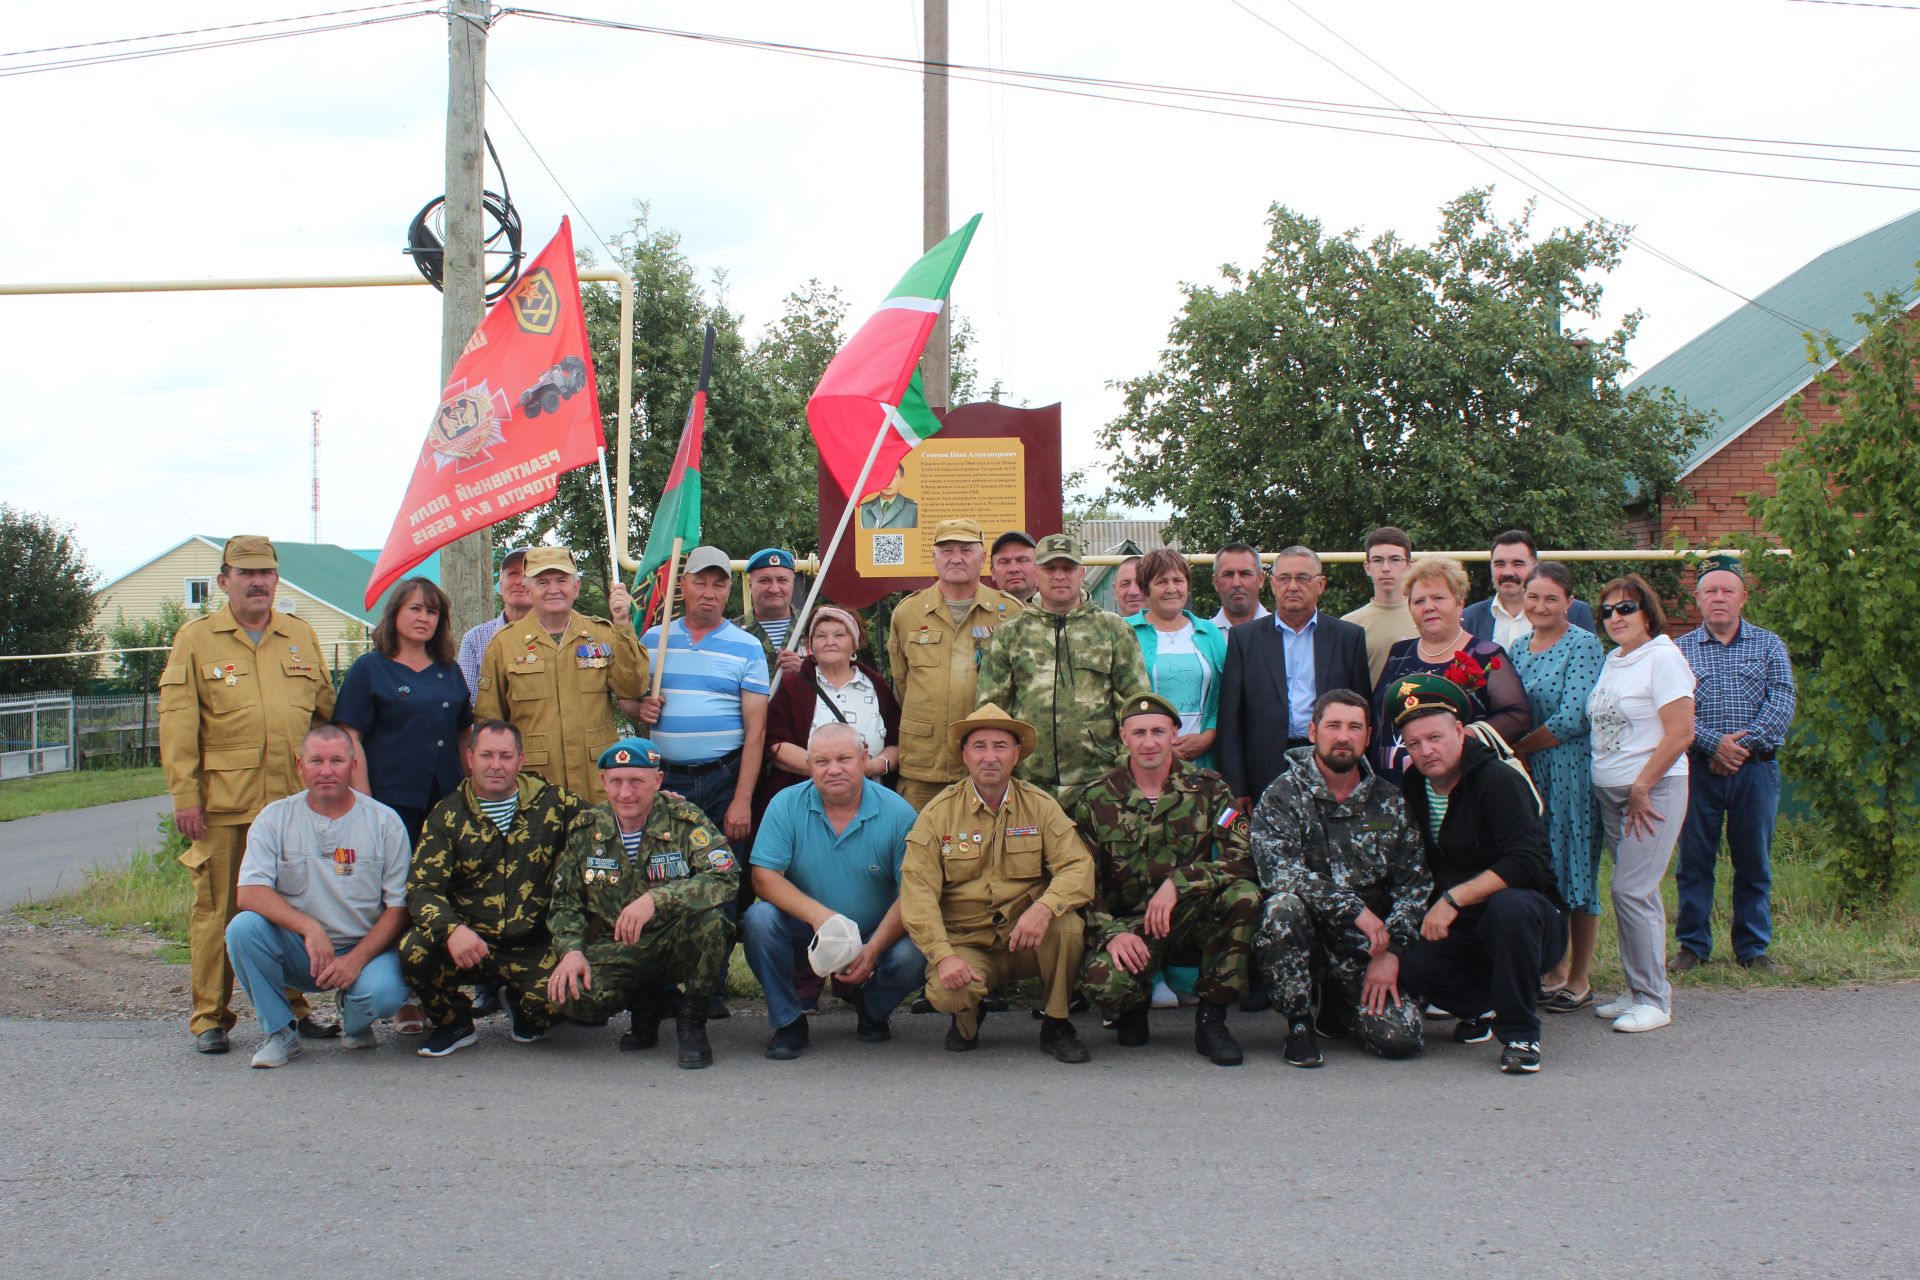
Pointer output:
x,y
1250,748
1491,825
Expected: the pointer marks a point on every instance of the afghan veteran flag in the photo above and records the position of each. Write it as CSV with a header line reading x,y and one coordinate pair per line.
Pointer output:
x,y
520,409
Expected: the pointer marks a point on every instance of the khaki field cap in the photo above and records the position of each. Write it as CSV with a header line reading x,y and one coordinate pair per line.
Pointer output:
x,y
958,531
835,945
1057,546
988,716
541,559
701,559
249,551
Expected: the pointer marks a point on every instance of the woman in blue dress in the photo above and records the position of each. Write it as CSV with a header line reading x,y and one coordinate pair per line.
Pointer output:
x,y
1559,664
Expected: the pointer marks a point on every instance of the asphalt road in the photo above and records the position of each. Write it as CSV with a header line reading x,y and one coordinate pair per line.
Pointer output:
x,y
1767,1134
49,855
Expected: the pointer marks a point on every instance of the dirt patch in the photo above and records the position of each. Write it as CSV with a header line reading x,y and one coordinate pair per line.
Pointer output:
x,y
73,972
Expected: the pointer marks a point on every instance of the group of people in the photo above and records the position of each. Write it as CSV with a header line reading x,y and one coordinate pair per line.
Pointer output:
x,y
1363,821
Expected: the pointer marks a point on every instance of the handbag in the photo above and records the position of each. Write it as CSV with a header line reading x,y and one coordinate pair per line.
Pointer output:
x,y
1492,740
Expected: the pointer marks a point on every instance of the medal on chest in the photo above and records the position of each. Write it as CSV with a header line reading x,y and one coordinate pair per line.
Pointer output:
x,y
343,862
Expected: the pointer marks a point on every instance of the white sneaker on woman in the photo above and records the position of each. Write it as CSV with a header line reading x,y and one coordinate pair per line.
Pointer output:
x,y
1642,1017
1614,1007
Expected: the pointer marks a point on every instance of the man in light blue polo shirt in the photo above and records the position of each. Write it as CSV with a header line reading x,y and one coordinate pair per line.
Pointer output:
x,y
826,862
711,721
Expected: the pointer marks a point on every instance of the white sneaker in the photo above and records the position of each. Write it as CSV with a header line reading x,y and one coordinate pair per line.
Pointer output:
x,y
360,1040
1642,1017
1164,996
1614,1007
279,1047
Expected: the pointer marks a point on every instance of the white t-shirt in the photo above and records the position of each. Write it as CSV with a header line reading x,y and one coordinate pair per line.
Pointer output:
x,y
859,703
1625,710
1222,621
1180,675
344,871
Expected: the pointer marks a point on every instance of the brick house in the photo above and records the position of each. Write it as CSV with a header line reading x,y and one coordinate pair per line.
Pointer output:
x,y
1746,370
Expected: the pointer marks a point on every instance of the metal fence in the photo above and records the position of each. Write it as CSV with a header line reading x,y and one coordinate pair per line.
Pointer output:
x,y
117,732
36,734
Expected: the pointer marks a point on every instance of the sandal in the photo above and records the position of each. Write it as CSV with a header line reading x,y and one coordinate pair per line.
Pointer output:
x,y
1564,1001
411,1020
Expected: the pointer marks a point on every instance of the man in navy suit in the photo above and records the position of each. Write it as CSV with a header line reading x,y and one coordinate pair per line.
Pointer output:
x,y
1499,617
1276,668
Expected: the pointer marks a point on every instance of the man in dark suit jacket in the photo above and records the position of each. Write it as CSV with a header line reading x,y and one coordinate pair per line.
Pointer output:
x,y
1498,618
1276,668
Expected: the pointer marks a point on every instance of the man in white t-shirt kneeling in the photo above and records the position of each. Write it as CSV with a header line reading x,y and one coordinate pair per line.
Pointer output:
x,y
322,902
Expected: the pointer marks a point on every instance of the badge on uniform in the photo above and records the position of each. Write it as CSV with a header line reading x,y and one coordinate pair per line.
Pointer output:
x,y
946,846
720,860
976,837
405,691
602,869
343,860
981,633
671,865
1023,831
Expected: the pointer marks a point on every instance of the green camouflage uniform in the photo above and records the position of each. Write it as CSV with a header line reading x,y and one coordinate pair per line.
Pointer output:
x,y
1136,845
688,867
466,871
1321,861
751,625
1067,677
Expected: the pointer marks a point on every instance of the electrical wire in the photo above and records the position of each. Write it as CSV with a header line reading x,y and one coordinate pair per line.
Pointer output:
x,y
199,31
585,221
134,55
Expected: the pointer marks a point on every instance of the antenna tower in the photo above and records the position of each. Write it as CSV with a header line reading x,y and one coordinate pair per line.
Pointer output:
x,y
316,475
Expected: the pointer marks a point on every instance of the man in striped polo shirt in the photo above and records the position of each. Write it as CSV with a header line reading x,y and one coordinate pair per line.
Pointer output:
x,y
710,722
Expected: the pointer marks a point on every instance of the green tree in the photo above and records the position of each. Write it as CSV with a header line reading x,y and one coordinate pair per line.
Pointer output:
x,y
1340,385
136,671
46,602
1848,505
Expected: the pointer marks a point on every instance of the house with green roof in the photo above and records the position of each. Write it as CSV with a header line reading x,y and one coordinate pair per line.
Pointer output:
x,y
319,582
1747,370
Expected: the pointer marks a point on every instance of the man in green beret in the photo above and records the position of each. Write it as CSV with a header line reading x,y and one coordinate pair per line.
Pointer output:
x,y
1495,920
1173,882
638,903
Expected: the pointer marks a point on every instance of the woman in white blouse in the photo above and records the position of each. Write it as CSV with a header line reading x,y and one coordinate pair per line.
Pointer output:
x,y
1641,713
831,685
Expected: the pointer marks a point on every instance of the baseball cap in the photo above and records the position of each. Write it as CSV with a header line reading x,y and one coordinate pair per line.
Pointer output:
x,y
1057,546
1012,535
703,558
835,945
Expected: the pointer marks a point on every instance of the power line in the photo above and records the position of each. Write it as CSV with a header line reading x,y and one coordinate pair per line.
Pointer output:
x,y
587,222
134,55
197,31
1860,4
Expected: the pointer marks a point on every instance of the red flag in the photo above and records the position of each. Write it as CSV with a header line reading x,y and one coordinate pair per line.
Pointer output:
x,y
520,409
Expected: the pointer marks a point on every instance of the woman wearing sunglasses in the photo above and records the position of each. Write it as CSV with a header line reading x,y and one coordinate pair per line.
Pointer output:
x,y
1641,714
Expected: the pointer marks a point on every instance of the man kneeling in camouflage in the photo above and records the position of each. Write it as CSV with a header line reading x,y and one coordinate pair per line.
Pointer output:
x,y
1347,887
637,904
1173,881
478,891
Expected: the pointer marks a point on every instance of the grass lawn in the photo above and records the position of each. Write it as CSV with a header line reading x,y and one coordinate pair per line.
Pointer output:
x,y
54,792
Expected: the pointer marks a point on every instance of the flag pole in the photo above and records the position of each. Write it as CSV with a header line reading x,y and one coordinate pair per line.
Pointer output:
x,y
826,557
666,617
614,541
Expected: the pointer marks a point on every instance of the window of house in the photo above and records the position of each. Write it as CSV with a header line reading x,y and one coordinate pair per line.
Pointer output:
x,y
198,591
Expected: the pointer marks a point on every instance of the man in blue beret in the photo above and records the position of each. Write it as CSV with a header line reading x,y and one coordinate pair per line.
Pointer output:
x,y
770,613
638,904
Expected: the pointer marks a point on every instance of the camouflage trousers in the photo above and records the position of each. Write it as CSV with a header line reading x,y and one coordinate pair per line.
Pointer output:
x,y
691,949
521,970
1215,927
1298,949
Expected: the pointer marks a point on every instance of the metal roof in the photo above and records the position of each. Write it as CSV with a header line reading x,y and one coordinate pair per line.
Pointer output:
x,y
1742,368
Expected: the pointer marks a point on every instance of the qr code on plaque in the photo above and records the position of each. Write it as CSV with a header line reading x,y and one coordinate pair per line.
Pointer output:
x,y
889,548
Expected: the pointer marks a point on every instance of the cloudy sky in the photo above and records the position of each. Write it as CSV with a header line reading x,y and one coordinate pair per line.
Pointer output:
x,y
142,420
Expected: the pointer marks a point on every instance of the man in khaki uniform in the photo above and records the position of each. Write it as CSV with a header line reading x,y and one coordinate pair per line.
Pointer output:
x,y
934,650
553,675
992,885
241,689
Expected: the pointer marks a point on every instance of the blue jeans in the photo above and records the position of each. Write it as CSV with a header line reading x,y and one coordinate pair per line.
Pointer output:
x,y
1745,804
267,958
710,792
775,941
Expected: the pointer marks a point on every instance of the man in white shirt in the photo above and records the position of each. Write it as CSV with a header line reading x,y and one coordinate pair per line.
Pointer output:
x,y
322,902
1500,618
1236,580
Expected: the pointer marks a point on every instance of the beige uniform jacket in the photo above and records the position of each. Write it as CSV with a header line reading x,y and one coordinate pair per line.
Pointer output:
x,y
560,695
232,716
969,872
936,669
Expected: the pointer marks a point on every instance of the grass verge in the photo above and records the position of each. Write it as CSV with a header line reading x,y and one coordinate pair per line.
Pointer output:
x,y
57,792
151,893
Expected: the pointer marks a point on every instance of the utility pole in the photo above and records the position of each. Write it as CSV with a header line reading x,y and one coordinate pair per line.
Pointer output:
x,y
933,163
466,566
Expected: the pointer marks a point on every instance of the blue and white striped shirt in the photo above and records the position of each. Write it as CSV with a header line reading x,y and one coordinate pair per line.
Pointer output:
x,y
703,684
1744,687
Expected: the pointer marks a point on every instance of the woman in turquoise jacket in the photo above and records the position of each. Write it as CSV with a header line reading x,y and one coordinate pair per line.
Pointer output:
x,y
1185,654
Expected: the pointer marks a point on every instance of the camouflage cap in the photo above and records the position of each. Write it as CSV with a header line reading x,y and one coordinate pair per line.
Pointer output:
x,y
249,551
1423,693
630,753
1148,704
1057,546
543,559
958,531
989,716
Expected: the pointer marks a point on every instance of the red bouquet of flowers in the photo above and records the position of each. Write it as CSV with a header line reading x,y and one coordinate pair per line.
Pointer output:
x,y
1465,670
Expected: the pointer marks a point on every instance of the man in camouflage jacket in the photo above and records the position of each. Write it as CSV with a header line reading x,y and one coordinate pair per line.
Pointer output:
x,y
639,902
479,888
1173,880
1346,886
1066,668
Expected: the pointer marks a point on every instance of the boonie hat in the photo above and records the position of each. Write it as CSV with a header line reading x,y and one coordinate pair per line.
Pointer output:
x,y
701,559
958,531
1423,693
770,558
544,559
249,551
630,753
835,945
1057,546
988,716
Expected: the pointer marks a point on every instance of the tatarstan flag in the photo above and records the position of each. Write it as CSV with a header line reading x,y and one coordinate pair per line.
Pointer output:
x,y
678,513
873,379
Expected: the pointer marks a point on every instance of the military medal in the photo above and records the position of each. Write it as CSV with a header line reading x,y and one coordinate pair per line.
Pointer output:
x,y
343,862
981,633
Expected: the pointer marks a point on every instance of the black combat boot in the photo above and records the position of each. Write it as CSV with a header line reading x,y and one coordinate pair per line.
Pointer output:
x,y
1058,1038
1131,1027
1302,1048
1211,1039
644,1032
690,1025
